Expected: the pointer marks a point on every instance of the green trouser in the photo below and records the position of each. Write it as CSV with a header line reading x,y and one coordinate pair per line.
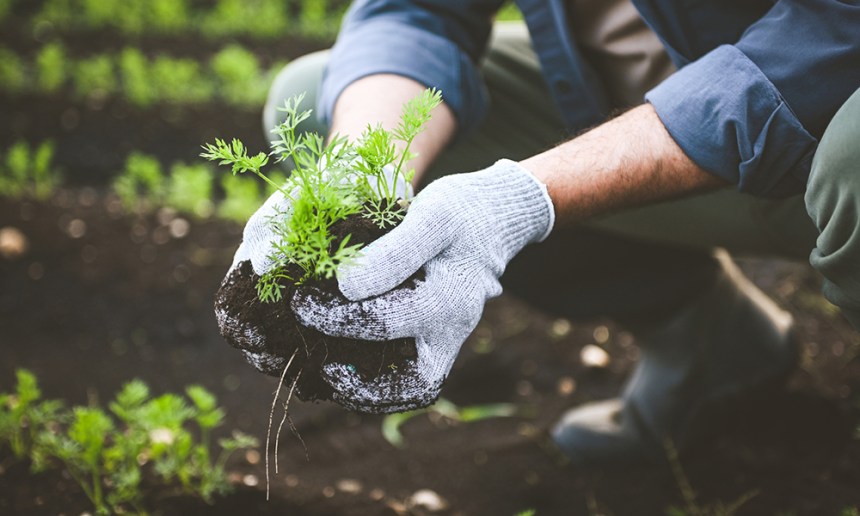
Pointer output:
x,y
643,264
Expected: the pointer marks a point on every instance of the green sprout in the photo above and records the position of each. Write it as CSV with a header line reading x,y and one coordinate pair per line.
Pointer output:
x,y
29,173
189,189
330,182
391,423
141,184
13,77
51,68
108,455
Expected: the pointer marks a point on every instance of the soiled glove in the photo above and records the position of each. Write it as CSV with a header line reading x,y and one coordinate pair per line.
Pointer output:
x,y
463,229
256,247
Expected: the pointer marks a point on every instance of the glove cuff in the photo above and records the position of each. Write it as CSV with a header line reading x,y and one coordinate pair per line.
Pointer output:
x,y
522,204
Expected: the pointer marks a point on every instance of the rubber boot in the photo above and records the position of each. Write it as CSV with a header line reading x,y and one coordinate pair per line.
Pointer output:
x,y
729,341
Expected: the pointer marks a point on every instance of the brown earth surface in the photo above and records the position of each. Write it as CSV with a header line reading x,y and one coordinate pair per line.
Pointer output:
x,y
100,298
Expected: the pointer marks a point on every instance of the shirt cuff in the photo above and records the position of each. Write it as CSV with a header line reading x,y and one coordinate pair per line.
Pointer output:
x,y
381,46
731,120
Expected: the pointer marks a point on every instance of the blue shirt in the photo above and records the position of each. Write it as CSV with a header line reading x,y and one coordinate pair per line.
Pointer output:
x,y
757,81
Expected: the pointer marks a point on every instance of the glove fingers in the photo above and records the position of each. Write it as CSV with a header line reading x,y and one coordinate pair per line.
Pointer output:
x,y
258,234
386,317
390,260
405,390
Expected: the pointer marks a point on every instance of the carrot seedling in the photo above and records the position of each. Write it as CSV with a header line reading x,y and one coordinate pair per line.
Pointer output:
x,y
330,181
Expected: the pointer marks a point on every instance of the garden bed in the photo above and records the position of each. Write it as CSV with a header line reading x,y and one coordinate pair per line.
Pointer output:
x,y
126,299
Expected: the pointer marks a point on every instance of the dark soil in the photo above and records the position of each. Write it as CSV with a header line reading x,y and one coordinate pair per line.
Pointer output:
x,y
123,300
283,336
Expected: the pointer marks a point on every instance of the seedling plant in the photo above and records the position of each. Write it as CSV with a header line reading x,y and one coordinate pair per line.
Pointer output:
x,y
28,173
110,454
330,181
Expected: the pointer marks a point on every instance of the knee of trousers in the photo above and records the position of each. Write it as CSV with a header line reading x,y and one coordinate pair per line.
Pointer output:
x,y
833,202
302,76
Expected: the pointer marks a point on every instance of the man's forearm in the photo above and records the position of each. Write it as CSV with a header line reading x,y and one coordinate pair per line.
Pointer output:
x,y
628,161
379,99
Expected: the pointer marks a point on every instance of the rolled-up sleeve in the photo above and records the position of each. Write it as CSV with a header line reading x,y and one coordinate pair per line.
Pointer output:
x,y
436,43
752,112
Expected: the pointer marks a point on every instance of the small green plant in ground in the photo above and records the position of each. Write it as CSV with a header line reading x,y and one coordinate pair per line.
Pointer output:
x,y
5,8
13,76
258,18
107,454
23,413
136,83
51,68
238,72
189,189
29,174
141,184
391,423
330,182
180,81
94,77
168,16
241,199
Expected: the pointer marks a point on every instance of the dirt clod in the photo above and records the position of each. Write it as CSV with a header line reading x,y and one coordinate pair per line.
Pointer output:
x,y
271,329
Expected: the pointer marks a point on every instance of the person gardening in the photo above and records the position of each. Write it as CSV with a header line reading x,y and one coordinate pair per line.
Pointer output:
x,y
739,133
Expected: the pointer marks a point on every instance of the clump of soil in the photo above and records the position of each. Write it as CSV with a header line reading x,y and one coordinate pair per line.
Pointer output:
x,y
271,329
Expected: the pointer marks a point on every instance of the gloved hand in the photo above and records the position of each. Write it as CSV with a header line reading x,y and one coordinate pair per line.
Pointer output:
x,y
463,229
256,248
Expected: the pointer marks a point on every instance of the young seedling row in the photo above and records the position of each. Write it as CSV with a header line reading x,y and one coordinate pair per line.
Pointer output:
x,y
233,76
255,19
142,186
138,442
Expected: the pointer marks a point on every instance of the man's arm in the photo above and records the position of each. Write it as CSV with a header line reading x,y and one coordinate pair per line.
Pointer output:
x,y
379,99
628,161
625,162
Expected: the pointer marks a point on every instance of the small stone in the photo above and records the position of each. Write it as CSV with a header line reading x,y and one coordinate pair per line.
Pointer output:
x,y
76,228
349,486
594,356
397,506
427,500
328,491
601,334
560,328
252,457
292,480
376,494
179,228
87,197
566,386
13,243
160,235
524,388
165,215
250,480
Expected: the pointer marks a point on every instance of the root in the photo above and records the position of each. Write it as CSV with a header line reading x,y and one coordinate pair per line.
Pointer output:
x,y
296,433
271,416
286,412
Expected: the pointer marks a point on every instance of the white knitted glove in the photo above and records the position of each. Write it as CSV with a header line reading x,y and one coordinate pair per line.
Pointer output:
x,y
256,247
463,229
